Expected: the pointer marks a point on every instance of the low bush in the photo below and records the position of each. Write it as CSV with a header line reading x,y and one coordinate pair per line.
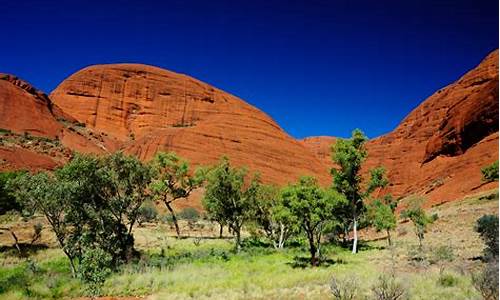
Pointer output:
x,y
388,288
490,173
486,281
37,232
147,213
487,227
95,267
345,288
443,253
447,280
189,214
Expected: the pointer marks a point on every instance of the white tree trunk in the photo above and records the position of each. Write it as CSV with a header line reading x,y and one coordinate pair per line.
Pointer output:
x,y
355,243
282,232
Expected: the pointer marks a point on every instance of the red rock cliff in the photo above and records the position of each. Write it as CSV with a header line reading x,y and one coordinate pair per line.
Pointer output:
x,y
150,109
439,148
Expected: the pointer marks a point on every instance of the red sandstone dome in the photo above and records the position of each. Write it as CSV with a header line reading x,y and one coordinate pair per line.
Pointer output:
x,y
437,150
150,109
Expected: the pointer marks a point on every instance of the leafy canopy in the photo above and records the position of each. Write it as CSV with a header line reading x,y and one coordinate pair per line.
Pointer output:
x,y
487,227
312,209
349,155
382,216
91,203
490,173
173,179
228,198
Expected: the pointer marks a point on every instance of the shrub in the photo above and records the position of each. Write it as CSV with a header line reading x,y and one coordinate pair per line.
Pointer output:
x,y
94,268
490,173
388,288
7,200
189,213
344,289
447,280
487,227
147,213
443,253
486,281
419,217
37,232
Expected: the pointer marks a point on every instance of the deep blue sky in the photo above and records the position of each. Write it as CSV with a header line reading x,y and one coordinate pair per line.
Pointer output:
x,y
317,67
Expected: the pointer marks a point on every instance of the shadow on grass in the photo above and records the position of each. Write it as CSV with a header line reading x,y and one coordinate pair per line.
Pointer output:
x,y
185,237
305,262
26,249
362,245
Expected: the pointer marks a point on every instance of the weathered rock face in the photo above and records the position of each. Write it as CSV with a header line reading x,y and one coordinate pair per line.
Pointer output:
x,y
150,109
321,147
439,148
25,109
35,133
473,114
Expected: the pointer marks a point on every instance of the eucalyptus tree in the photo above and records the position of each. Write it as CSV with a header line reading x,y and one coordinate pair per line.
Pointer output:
x,y
229,197
90,203
173,181
349,155
311,209
271,216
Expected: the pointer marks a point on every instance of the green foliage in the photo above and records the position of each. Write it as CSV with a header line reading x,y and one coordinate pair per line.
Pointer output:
x,y
91,202
95,267
349,155
228,199
7,199
490,173
447,280
418,217
382,217
487,227
270,215
173,180
378,179
4,131
189,213
311,209
43,193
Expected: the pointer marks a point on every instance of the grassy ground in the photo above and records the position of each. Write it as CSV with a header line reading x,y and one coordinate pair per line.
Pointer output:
x,y
203,267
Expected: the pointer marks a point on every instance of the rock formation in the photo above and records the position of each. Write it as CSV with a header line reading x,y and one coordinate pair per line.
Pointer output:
x,y
35,133
439,148
150,109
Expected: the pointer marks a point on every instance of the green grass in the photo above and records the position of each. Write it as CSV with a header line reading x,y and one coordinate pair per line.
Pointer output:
x,y
171,268
180,269
38,279
253,273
